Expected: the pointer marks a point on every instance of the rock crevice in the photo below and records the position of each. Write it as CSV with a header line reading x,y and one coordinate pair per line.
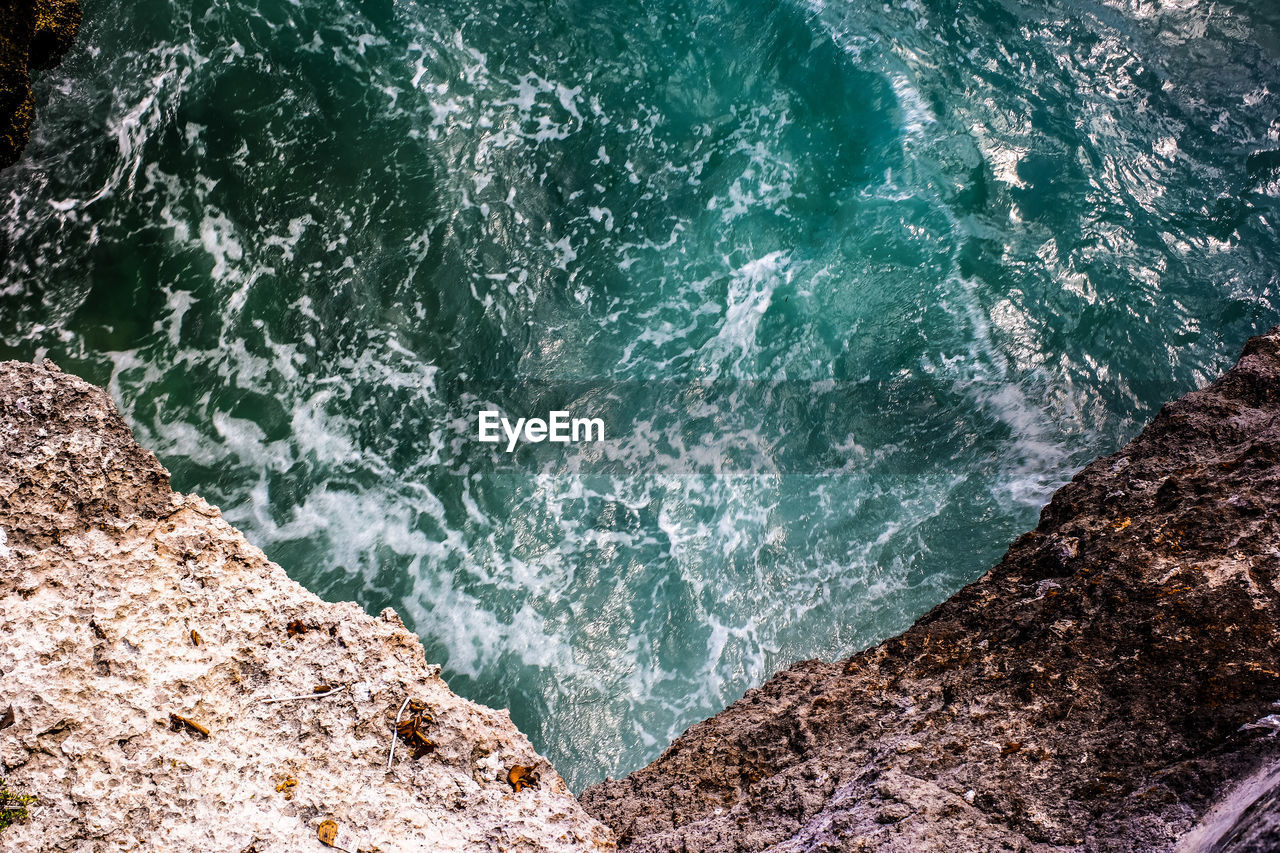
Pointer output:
x,y
1111,685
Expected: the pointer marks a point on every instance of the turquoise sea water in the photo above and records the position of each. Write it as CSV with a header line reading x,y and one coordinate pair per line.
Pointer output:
x,y
853,285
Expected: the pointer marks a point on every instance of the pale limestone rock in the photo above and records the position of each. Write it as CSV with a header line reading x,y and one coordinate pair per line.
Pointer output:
x,y
105,574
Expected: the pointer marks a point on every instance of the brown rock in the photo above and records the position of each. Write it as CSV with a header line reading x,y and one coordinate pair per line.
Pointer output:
x,y
1088,693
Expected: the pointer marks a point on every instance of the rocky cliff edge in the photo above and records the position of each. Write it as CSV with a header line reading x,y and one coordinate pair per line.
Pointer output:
x,y
163,686
1112,680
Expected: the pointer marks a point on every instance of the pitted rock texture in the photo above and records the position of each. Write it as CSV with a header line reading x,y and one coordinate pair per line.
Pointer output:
x,y
126,609
1097,690
34,35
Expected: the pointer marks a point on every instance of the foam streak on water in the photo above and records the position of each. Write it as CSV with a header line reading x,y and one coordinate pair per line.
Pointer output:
x,y
854,286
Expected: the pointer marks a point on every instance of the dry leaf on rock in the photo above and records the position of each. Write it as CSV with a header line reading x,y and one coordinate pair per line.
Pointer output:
x,y
521,777
327,832
413,730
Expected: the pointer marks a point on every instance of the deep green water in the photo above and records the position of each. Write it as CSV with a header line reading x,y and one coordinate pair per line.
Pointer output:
x,y
854,287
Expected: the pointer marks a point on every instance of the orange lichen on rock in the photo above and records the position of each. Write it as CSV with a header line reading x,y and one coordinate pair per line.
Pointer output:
x,y
34,34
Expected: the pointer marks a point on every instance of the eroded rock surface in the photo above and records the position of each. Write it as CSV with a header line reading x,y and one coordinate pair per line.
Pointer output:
x,y
34,35
1097,690
139,637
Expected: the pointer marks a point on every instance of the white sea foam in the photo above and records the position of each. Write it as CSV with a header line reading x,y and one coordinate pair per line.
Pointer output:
x,y
750,292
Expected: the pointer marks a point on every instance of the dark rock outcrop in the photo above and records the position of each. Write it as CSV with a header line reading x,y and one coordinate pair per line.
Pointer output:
x,y
1098,690
34,35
